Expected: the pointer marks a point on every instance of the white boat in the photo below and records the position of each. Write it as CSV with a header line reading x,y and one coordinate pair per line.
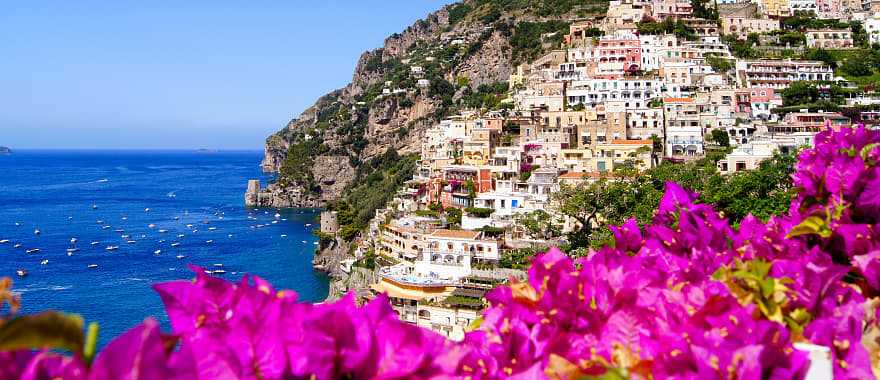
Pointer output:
x,y
158,251
277,215
176,218
99,221
124,218
209,241
161,240
147,209
181,235
218,265
72,250
93,266
218,271
21,272
315,243
229,236
94,207
212,228
180,257
44,262
37,232
73,240
112,247
125,236
120,230
17,224
17,245
105,228
303,241
308,224
283,235
163,231
4,241
131,241
175,244
274,222
151,225
95,243
32,250
189,226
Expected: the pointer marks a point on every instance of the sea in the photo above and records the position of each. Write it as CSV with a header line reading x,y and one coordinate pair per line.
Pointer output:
x,y
142,202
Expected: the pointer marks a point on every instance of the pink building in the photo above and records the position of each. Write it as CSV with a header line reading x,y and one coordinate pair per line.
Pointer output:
x,y
757,101
620,52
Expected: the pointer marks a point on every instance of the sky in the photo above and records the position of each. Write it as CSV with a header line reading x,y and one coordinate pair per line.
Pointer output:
x,y
178,74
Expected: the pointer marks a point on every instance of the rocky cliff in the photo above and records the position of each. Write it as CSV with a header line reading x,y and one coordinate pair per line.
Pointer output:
x,y
458,48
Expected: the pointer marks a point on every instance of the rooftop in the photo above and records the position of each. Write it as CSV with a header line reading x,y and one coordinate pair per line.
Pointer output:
x,y
456,234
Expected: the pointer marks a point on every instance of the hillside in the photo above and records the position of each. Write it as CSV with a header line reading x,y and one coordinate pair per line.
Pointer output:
x,y
466,52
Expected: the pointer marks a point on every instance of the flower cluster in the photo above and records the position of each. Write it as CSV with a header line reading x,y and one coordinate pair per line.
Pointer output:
x,y
687,297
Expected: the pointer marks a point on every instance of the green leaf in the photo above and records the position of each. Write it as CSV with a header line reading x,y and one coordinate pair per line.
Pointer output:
x,y
866,150
91,343
49,329
475,324
811,225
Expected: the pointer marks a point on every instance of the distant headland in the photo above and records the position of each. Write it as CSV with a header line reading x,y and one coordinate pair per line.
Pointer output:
x,y
5,150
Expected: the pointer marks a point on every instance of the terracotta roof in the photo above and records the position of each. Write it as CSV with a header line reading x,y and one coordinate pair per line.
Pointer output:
x,y
456,234
633,142
678,100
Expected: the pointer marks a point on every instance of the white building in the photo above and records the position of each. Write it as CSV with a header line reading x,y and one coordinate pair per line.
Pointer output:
x,y
449,254
747,156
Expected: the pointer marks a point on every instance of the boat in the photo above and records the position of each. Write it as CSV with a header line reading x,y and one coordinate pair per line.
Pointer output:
x,y
105,227
180,256
93,266
125,236
176,218
21,272
212,228
120,230
175,244
72,250
218,271
274,222
94,207
112,247
17,224
73,247
277,215
17,245
95,242
158,251
44,262
37,231
32,250
180,235
209,241
151,225
147,209
308,224
218,265
131,241
161,240
304,242
4,241
5,150
283,235
124,218
163,231
99,221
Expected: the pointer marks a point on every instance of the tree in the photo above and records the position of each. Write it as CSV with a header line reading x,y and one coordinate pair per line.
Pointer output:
x,y
856,68
800,92
720,137
539,224
822,55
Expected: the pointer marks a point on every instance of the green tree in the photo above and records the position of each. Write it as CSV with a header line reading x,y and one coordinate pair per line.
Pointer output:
x,y
856,68
720,137
539,224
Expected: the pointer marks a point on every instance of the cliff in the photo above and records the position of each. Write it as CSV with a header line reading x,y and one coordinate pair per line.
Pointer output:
x,y
460,49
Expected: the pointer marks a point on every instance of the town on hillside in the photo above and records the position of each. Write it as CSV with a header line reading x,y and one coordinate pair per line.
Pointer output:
x,y
653,82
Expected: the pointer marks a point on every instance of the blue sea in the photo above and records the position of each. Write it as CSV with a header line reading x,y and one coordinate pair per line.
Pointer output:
x,y
149,200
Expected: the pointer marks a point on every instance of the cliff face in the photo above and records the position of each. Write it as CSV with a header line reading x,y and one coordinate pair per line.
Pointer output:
x,y
359,122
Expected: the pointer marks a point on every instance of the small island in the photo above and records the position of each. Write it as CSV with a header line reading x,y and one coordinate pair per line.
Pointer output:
x,y
5,150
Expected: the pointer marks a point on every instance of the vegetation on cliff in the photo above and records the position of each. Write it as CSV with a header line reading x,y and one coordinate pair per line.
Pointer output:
x,y
376,183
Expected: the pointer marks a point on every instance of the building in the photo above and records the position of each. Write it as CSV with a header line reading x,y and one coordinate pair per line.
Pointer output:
x,y
779,74
745,25
805,121
872,27
746,157
757,103
684,134
449,255
829,38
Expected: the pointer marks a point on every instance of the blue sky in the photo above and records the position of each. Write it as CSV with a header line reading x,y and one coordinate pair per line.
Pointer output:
x,y
178,74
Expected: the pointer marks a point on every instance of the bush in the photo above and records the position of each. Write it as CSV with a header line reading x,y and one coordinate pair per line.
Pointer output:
x,y
479,212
